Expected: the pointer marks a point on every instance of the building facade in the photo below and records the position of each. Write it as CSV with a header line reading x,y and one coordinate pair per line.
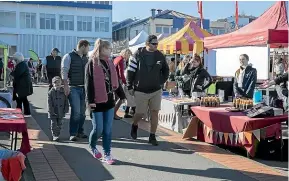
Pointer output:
x,y
228,24
219,27
243,20
160,22
43,25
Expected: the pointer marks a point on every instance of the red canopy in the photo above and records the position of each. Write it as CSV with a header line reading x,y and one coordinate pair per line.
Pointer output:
x,y
271,27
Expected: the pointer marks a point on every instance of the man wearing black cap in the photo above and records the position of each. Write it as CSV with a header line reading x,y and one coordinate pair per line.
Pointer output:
x,y
146,74
52,66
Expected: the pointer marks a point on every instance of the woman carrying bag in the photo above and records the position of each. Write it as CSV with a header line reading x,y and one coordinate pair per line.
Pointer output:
x,y
184,85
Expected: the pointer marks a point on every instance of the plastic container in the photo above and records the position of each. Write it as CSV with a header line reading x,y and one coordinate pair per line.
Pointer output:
x,y
257,97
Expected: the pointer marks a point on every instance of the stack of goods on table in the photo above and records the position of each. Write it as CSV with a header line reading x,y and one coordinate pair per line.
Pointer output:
x,y
210,101
242,103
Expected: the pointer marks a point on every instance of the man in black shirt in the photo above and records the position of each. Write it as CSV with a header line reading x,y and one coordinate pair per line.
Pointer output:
x,y
146,73
52,65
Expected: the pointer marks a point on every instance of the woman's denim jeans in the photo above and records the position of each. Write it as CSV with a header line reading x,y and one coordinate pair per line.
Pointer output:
x,y
101,125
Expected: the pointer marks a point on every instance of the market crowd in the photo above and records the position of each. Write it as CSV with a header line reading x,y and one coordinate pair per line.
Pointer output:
x,y
95,81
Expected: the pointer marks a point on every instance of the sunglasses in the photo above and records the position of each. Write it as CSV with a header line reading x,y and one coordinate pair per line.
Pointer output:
x,y
154,43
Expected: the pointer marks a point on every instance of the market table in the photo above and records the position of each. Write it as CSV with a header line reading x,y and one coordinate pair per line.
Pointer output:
x,y
219,126
174,113
12,120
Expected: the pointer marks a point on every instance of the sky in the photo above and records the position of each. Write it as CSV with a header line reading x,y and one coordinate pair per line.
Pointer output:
x,y
211,10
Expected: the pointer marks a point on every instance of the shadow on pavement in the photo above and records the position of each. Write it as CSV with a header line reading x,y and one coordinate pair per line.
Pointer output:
x,y
210,173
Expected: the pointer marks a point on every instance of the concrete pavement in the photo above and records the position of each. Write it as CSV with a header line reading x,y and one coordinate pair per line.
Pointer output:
x,y
137,160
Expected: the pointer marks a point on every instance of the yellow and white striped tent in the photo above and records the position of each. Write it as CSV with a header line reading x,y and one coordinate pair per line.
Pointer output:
x,y
187,40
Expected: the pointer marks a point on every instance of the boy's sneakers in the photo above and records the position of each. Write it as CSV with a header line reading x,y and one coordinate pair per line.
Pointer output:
x,y
108,159
82,135
73,138
55,138
96,154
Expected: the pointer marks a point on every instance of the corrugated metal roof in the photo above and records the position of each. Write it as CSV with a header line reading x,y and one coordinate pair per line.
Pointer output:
x,y
165,12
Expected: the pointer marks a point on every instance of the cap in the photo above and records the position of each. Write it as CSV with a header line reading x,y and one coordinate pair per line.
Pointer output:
x,y
151,37
55,49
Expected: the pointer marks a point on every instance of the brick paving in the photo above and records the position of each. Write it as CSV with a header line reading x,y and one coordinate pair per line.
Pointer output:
x,y
46,162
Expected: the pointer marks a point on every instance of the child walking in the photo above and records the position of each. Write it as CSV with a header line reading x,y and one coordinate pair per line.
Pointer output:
x,y
100,83
57,107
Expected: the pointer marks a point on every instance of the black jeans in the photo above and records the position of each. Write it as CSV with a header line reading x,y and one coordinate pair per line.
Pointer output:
x,y
23,101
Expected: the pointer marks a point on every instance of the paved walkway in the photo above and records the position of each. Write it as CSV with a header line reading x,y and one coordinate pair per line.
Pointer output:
x,y
174,159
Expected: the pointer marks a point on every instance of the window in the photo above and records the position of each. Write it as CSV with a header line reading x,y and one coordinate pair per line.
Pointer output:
x,y
27,20
47,21
221,32
215,31
84,23
8,19
66,22
166,30
159,29
102,2
89,2
101,24
173,30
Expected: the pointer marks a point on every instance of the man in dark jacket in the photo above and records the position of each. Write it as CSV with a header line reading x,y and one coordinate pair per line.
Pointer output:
x,y
52,65
282,91
73,73
146,74
245,78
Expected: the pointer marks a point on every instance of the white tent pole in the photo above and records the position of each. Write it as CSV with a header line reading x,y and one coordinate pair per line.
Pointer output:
x,y
267,89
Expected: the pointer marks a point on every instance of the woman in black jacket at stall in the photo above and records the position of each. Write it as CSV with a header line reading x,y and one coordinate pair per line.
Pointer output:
x,y
199,77
22,84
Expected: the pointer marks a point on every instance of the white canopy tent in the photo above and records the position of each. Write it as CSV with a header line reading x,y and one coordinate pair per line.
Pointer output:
x,y
142,44
140,38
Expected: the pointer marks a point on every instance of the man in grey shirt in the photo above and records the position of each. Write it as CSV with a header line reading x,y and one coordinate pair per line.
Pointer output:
x,y
73,73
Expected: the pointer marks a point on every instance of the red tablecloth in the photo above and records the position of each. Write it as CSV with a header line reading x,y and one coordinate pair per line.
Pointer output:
x,y
232,122
220,120
17,125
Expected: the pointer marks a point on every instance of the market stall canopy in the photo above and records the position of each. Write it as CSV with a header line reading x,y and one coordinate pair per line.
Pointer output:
x,y
3,44
140,38
188,39
270,28
133,49
162,36
33,55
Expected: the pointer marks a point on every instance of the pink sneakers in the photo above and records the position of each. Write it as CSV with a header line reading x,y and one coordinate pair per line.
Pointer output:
x,y
97,154
108,159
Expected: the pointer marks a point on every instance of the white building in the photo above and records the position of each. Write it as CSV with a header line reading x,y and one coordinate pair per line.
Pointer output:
x,y
43,25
